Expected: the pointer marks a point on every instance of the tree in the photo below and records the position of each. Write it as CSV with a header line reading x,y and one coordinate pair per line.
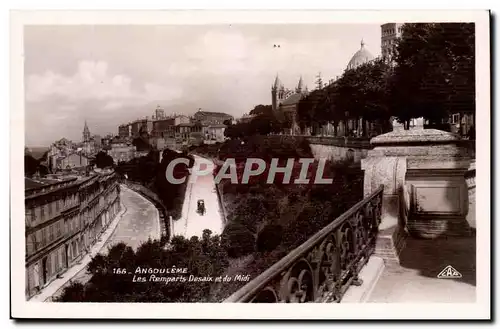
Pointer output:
x,y
141,143
264,123
362,93
30,165
103,160
262,109
75,293
201,256
306,110
269,237
237,240
434,73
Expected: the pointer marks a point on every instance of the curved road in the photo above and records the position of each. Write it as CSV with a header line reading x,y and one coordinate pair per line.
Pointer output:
x,y
139,222
191,222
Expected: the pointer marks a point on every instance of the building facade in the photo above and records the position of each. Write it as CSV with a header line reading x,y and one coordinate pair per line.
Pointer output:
x,y
73,161
280,94
390,32
215,133
211,118
121,151
286,101
125,131
64,218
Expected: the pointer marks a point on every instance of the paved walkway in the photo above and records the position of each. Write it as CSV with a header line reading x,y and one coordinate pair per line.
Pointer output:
x,y
191,222
415,280
137,221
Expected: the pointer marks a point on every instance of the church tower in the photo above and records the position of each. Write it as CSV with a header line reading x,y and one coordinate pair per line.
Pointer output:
x,y
274,92
298,90
86,133
86,138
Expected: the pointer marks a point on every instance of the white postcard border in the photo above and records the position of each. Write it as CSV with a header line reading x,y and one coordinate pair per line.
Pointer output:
x,y
23,309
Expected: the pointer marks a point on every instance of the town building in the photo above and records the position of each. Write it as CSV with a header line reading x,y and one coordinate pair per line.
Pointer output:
x,y
389,33
173,130
215,133
211,118
64,217
139,126
72,161
125,130
159,114
183,131
121,150
164,127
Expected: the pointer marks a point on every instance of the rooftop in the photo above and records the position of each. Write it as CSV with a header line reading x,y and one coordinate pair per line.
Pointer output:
x,y
360,57
34,183
293,99
208,113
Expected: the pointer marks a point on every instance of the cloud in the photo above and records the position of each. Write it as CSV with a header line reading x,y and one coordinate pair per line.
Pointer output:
x,y
58,104
78,73
92,81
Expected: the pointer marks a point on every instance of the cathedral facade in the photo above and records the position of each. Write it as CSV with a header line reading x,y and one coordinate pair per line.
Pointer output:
x,y
285,101
281,95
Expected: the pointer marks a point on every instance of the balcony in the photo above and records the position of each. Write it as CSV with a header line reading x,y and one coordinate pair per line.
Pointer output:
x,y
323,267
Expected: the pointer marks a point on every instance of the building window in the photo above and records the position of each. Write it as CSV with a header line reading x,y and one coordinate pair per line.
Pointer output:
x,y
30,215
51,233
58,229
44,237
34,243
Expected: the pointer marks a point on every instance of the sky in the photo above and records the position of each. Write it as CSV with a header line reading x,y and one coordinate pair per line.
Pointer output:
x,y
109,75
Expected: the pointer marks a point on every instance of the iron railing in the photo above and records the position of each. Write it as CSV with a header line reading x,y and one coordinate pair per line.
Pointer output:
x,y
323,267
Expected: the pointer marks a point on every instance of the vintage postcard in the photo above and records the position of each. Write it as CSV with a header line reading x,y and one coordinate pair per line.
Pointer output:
x,y
197,164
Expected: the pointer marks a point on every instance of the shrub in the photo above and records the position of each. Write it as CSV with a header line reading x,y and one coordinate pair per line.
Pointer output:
x,y
237,240
269,237
75,292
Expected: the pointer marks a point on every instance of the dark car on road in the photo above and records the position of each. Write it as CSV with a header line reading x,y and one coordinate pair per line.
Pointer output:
x,y
201,207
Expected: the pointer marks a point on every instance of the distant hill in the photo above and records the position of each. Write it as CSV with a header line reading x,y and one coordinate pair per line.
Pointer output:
x,y
37,151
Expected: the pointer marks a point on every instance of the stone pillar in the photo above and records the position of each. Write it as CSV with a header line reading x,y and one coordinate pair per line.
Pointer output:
x,y
425,194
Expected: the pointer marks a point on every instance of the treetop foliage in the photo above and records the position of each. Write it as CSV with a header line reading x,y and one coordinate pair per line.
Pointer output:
x,y
432,76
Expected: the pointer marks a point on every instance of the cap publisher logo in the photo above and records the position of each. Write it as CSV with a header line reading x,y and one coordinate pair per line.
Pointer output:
x,y
449,273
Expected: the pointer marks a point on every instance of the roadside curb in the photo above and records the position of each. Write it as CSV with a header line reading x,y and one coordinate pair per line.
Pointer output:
x,y
369,274
159,232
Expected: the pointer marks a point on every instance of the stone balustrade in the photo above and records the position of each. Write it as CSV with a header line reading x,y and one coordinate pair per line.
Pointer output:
x,y
323,267
426,193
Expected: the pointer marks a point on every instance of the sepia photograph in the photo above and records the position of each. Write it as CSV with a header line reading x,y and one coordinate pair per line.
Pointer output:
x,y
250,157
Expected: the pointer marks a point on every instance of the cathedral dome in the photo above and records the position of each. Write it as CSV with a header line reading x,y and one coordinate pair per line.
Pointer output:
x,y
360,57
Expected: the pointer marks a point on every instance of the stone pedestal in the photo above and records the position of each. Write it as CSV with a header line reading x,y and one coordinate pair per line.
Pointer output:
x,y
425,193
